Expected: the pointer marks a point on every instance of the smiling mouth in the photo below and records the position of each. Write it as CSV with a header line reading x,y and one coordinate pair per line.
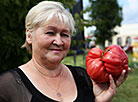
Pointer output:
x,y
56,50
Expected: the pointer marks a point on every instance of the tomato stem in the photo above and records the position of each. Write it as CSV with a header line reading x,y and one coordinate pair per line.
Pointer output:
x,y
105,52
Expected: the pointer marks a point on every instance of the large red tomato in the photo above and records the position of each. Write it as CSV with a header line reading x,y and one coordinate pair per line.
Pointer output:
x,y
101,63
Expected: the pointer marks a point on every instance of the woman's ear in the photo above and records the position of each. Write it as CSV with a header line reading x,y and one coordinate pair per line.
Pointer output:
x,y
28,36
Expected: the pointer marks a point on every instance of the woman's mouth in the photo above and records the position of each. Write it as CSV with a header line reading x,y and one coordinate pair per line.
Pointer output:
x,y
56,50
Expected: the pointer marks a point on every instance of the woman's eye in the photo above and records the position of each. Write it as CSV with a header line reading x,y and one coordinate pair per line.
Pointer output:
x,y
50,32
64,35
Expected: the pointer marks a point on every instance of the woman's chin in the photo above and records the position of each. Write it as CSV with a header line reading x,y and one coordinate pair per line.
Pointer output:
x,y
56,60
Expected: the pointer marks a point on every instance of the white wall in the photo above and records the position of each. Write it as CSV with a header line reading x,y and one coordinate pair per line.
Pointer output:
x,y
124,31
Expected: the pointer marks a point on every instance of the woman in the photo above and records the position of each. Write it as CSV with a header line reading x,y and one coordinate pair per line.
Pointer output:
x,y
49,27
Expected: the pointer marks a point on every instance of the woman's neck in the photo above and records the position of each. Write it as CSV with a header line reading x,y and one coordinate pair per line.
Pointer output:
x,y
47,71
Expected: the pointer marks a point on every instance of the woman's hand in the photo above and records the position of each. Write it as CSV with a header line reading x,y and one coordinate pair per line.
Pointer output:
x,y
104,92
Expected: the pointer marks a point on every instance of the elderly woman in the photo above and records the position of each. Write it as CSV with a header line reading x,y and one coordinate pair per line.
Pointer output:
x,y
49,27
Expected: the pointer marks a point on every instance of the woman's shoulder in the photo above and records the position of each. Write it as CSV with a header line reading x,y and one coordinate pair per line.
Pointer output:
x,y
77,69
79,72
8,79
6,84
10,87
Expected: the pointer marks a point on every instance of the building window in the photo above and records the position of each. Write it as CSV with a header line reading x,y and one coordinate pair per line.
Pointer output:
x,y
109,43
128,40
119,41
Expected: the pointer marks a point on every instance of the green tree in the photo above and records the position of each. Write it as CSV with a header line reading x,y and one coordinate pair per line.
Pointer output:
x,y
12,31
105,15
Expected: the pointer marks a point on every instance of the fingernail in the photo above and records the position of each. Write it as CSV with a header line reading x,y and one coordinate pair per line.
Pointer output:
x,y
124,71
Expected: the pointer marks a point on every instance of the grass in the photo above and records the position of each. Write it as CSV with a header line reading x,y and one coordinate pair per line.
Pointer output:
x,y
128,91
70,60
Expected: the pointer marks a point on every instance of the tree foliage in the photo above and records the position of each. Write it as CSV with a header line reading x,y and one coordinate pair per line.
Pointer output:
x,y
105,15
12,30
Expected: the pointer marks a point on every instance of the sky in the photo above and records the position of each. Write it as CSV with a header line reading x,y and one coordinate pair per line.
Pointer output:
x,y
129,10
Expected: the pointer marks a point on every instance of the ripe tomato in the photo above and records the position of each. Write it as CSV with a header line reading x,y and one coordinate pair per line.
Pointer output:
x,y
101,63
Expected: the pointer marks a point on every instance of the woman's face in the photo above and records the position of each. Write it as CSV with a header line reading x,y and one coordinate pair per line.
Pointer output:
x,y
51,42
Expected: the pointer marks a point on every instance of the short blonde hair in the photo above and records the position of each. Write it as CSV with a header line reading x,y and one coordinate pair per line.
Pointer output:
x,y
45,11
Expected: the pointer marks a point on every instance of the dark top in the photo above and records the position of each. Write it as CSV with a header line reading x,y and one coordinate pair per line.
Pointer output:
x,y
16,87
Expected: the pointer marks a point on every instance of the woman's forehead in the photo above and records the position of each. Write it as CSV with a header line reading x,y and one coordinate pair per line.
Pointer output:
x,y
54,22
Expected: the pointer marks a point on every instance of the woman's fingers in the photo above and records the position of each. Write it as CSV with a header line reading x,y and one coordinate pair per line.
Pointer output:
x,y
122,77
112,84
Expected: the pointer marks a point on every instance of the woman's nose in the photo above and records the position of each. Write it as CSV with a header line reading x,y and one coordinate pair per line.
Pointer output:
x,y
58,40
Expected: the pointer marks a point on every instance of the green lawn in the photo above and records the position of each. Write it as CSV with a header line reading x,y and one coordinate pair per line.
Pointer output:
x,y
128,91
70,60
